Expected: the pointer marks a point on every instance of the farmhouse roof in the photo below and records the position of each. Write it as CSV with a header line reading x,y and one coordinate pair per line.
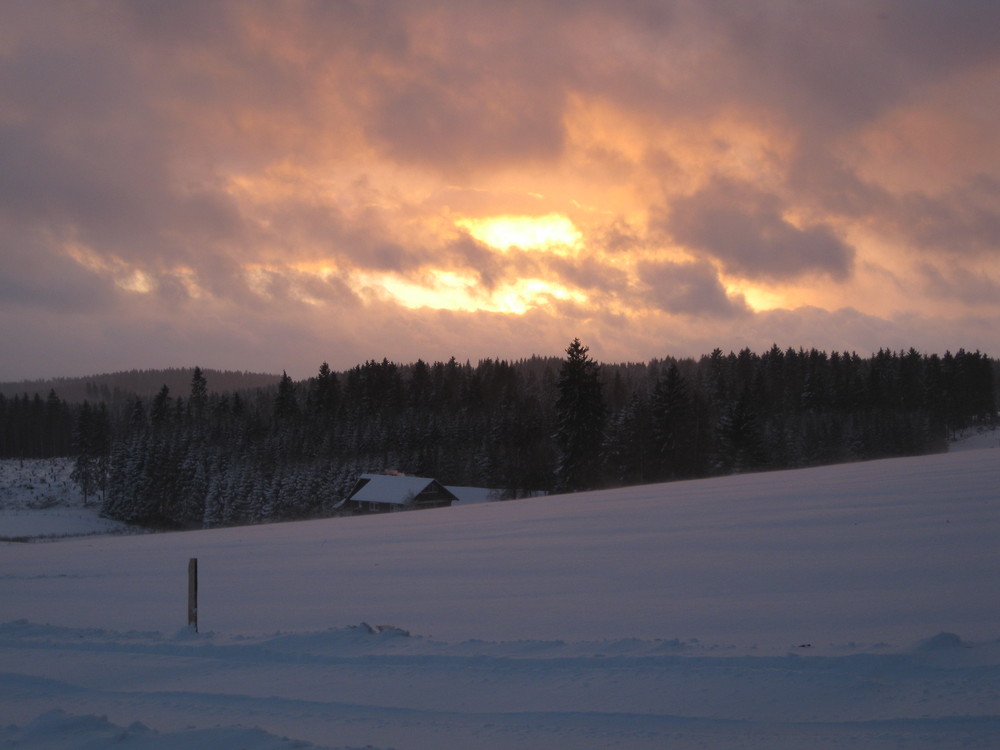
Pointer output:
x,y
391,489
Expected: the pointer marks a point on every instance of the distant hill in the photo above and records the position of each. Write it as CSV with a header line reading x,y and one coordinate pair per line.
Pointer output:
x,y
115,386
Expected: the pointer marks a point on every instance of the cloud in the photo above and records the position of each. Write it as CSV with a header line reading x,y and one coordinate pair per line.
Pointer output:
x,y
588,274
469,129
963,222
689,288
745,229
973,288
827,184
33,278
273,183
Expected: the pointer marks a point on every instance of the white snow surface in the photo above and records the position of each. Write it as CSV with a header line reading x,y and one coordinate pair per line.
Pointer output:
x,y
843,606
39,501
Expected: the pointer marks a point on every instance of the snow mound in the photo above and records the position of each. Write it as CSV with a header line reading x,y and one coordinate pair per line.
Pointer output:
x,y
389,630
942,642
323,687
58,730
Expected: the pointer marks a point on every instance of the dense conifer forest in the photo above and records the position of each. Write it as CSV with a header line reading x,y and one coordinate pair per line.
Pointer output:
x,y
119,386
200,456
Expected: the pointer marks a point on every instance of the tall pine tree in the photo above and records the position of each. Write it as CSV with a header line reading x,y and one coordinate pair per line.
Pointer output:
x,y
580,418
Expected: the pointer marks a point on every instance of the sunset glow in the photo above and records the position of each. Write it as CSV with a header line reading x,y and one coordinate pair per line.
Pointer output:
x,y
440,290
758,298
551,232
523,295
271,185
444,290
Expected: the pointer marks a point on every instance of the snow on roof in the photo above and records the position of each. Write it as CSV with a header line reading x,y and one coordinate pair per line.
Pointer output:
x,y
390,488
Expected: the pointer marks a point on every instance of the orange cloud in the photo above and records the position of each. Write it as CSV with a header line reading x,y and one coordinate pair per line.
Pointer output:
x,y
654,177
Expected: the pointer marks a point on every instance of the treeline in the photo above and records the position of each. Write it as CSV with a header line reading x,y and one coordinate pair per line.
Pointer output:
x,y
200,457
113,387
540,424
36,427
295,450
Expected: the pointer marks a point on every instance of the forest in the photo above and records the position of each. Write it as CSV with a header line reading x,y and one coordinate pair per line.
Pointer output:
x,y
208,457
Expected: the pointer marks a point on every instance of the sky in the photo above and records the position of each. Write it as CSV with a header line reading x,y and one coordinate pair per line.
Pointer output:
x,y
270,185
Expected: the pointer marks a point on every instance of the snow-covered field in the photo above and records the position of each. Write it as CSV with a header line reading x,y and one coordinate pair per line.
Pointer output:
x,y
844,606
38,500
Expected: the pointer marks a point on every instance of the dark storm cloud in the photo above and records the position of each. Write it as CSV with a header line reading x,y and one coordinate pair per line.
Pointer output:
x,y
690,289
743,227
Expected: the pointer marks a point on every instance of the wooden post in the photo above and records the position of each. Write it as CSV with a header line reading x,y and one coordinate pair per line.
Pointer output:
x,y
193,594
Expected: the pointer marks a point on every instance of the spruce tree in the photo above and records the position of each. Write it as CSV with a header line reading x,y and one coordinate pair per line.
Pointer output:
x,y
198,399
625,446
85,467
674,426
285,405
159,414
580,417
741,443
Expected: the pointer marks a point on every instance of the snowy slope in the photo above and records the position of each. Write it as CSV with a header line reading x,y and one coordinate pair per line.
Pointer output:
x,y
39,501
813,608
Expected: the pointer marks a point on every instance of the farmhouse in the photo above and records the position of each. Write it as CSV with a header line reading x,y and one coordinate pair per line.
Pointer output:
x,y
384,493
